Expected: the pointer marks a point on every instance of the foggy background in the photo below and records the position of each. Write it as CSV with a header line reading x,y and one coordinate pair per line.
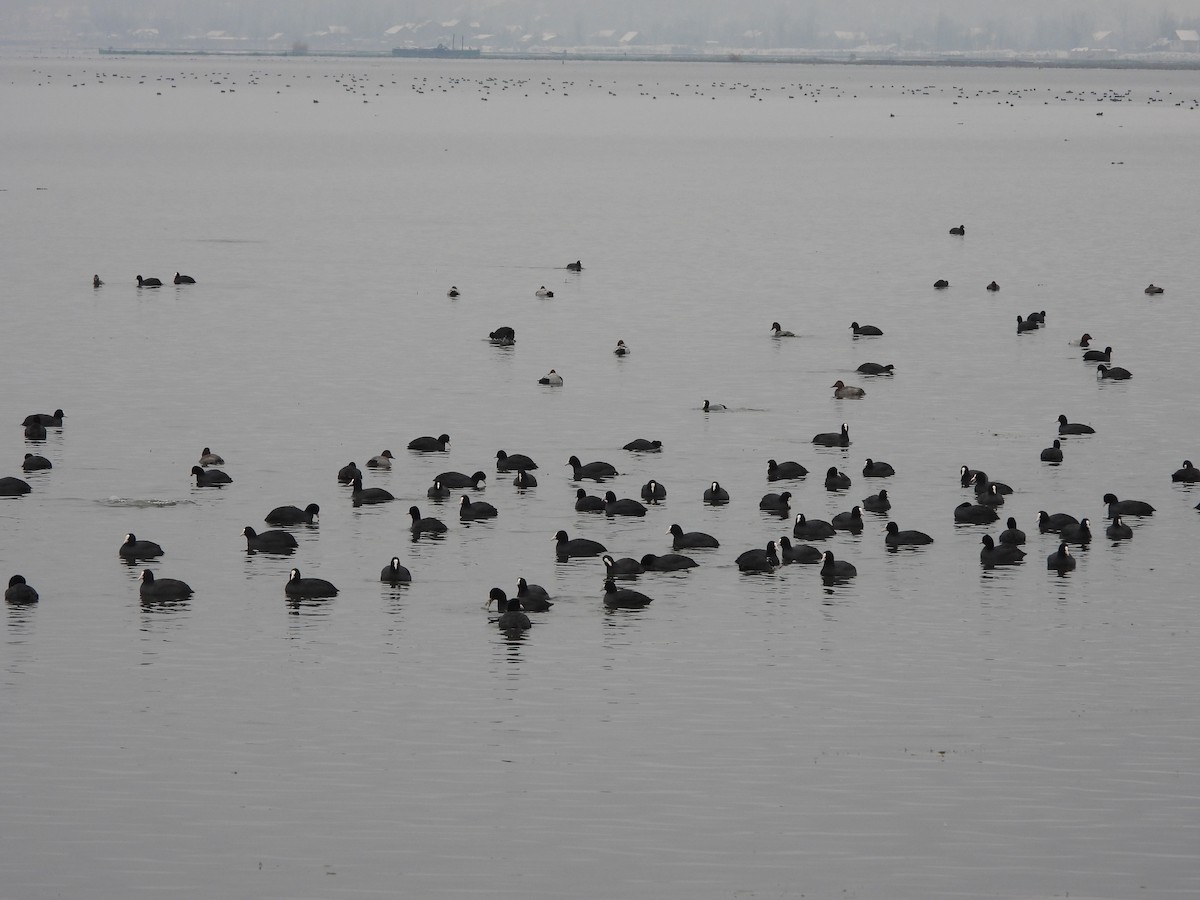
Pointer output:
x,y
675,25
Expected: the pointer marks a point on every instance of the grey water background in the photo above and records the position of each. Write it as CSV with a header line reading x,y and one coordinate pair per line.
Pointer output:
x,y
926,729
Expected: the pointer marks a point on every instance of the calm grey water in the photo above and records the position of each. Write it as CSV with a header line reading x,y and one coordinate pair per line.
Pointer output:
x,y
928,729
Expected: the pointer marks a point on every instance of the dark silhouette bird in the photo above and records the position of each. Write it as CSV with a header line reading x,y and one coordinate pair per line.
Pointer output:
x,y
1061,560
992,286
623,507
293,515
1152,288
897,538
716,495
993,497
869,330
48,420
1053,454
210,478
1012,534
163,588
779,504
453,292
836,568
850,521
302,588
1188,474
427,444
11,486
426,525
873,469
785,471
1003,555
459,480
506,463
971,514
208,458
834,438
1118,530
873,368
348,473
269,541
1053,524
576,266
361,495
1077,534
624,567
653,491
1113,373
504,336
624,598
811,529
778,331
437,491
394,573
148,282
133,549
586,503
524,479
641,445
20,591
479,509
533,597
1127,507
984,485
1103,356
184,279
691,540
667,562
595,471
35,431
512,617
835,480
569,549
759,560
941,284
805,554
1065,427
35,463
877,503
960,230
966,476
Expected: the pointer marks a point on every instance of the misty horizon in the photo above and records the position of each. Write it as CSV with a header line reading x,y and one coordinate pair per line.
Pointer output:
x,y
514,25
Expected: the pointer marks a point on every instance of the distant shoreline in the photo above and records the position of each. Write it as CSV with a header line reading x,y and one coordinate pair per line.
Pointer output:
x,y
828,58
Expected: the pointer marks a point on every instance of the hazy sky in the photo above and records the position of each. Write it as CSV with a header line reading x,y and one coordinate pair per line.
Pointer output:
x,y
933,24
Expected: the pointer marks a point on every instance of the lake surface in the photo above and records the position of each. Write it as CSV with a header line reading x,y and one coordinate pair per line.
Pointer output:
x,y
929,728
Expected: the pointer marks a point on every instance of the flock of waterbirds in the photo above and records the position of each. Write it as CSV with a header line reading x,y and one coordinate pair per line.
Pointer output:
x,y
989,497
374,85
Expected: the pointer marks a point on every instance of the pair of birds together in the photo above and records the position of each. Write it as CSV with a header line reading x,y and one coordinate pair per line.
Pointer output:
x,y
993,555
150,282
552,377
534,598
